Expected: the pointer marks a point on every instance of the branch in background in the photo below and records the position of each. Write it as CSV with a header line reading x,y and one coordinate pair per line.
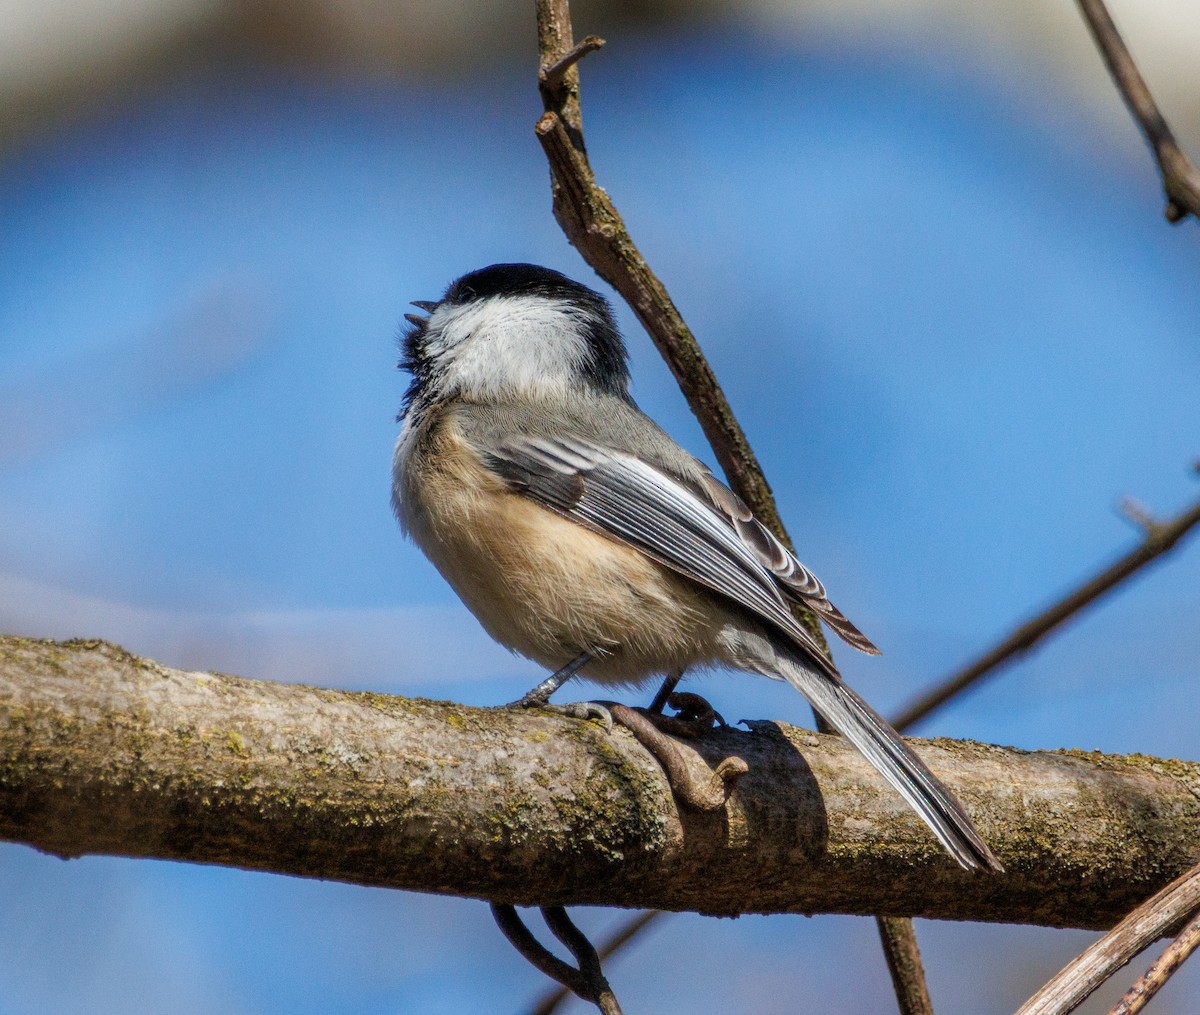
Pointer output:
x,y
1095,964
903,958
1155,978
1180,178
105,753
1160,537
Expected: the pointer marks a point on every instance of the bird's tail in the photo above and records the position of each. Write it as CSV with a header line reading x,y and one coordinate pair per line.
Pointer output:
x,y
883,747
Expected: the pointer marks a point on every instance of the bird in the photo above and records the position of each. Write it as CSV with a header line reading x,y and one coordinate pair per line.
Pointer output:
x,y
582,536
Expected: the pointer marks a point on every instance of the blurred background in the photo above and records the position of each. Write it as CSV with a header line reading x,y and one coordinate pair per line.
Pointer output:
x,y
921,242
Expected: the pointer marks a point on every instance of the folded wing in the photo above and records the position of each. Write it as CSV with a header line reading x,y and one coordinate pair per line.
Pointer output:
x,y
705,533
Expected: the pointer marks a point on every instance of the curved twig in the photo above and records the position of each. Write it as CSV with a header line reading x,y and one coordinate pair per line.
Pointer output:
x,y
587,981
694,784
551,1001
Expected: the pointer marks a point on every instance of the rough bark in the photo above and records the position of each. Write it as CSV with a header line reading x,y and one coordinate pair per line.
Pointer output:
x,y
103,752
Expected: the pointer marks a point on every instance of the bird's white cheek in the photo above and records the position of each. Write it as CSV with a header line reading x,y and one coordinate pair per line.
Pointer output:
x,y
502,346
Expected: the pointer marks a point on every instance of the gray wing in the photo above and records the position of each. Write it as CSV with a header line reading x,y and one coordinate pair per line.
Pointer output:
x,y
797,581
624,498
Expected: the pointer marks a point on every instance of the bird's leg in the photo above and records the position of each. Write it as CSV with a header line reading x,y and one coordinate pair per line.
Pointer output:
x,y
541,694
539,697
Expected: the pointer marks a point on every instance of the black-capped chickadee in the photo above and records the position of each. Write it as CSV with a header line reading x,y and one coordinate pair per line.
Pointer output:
x,y
582,536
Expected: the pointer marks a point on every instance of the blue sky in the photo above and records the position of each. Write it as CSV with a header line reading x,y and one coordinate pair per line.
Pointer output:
x,y
948,313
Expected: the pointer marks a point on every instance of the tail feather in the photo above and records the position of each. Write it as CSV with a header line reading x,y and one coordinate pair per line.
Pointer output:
x,y
883,747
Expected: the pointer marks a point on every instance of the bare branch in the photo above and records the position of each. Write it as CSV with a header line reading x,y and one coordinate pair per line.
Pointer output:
x,y
1180,178
587,981
1095,964
521,938
624,933
903,957
1149,983
1160,537
589,962
102,752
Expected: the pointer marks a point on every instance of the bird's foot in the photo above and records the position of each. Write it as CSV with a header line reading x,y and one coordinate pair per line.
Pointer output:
x,y
694,784
693,717
585,710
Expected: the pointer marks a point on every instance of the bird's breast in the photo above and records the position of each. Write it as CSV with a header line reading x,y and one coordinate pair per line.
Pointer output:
x,y
541,584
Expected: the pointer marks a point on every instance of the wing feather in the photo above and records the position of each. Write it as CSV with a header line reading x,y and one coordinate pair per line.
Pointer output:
x,y
626,499
796,580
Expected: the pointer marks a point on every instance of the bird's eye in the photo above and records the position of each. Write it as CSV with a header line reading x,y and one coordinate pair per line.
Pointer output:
x,y
466,294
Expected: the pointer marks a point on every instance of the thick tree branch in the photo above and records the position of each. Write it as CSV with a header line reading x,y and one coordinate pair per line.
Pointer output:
x,y
1180,177
102,752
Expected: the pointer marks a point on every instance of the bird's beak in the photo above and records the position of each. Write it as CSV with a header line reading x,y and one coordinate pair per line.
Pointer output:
x,y
415,319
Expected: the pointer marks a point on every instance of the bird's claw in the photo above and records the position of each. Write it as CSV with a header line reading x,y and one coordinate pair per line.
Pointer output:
x,y
693,717
585,710
694,784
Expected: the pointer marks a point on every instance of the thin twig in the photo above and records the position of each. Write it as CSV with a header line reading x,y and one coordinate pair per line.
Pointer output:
x,y
1159,538
551,1001
1180,178
549,77
592,223
586,982
589,962
1072,985
1153,979
903,957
